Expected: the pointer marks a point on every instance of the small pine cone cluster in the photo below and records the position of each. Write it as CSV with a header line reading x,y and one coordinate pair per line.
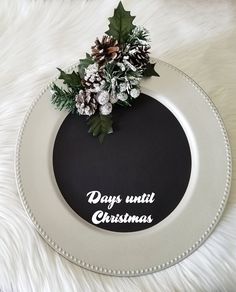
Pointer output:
x,y
105,50
88,102
115,74
85,103
93,96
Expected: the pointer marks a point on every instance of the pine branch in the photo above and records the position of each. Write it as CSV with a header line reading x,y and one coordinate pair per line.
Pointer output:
x,y
139,35
63,99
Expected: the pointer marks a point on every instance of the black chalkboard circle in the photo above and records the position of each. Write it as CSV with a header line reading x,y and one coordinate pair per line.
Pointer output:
x,y
147,153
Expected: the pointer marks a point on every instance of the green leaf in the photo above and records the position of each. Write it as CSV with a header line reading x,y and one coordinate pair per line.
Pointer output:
x,y
84,63
150,71
121,24
72,80
100,126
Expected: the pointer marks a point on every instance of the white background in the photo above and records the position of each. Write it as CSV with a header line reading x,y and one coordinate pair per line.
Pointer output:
x,y
198,37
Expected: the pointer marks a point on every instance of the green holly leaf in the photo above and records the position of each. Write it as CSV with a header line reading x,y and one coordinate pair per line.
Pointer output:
x,y
100,126
121,24
72,80
84,63
150,70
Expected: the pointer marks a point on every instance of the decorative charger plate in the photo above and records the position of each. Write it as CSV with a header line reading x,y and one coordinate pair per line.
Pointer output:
x,y
144,199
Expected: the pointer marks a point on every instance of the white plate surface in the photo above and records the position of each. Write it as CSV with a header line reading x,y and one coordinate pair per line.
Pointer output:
x,y
155,248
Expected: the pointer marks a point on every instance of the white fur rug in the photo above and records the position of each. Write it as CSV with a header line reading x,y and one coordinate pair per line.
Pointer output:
x,y
37,36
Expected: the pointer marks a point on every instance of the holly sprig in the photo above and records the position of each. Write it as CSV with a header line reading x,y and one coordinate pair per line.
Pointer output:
x,y
120,28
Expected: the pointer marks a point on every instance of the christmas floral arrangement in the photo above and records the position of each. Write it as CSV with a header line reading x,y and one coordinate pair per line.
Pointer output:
x,y
109,76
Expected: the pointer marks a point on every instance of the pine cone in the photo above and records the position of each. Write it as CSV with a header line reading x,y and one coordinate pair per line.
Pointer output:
x,y
86,103
105,50
138,55
93,80
137,49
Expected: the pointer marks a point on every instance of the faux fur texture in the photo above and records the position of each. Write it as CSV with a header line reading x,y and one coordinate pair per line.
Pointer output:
x,y
199,37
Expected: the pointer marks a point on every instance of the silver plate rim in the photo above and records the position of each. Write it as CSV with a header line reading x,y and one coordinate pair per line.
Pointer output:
x,y
139,272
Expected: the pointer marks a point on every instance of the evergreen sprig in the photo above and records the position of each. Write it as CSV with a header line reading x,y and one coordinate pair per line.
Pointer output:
x,y
139,35
63,99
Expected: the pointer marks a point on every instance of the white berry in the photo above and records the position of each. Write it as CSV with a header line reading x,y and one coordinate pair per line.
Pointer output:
x,y
134,92
106,109
122,96
103,97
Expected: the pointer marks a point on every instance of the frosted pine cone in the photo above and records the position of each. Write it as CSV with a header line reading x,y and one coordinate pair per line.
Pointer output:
x,y
105,50
137,49
86,104
139,56
93,79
